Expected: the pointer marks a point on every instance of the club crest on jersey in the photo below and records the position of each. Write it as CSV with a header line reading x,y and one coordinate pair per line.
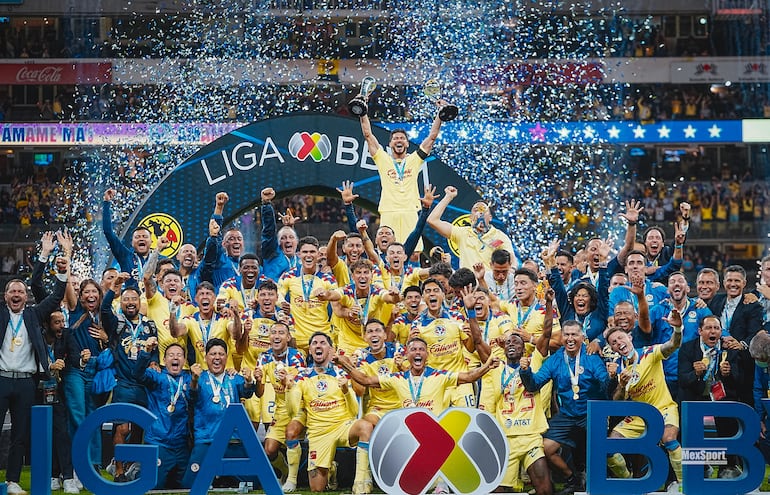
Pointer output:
x,y
322,386
440,331
383,370
263,329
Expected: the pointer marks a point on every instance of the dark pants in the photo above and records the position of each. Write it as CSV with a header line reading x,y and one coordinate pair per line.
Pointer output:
x,y
62,444
18,396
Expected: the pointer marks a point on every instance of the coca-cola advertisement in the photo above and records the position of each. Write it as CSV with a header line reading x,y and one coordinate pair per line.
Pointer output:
x,y
56,73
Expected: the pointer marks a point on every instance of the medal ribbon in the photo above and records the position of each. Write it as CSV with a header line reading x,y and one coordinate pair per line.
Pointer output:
x,y
574,376
415,398
178,383
205,329
307,289
16,326
513,375
523,321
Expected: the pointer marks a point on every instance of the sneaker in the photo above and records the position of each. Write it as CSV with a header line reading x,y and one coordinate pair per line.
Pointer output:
x,y
674,487
111,468
729,473
441,487
70,486
55,484
332,483
77,481
13,488
708,471
133,471
245,486
289,487
362,487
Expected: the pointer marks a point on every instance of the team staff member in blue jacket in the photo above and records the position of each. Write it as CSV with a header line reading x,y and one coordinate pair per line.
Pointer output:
x,y
131,259
168,397
213,391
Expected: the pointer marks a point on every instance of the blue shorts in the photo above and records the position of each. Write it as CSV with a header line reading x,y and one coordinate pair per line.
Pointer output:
x,y
567,430
129,393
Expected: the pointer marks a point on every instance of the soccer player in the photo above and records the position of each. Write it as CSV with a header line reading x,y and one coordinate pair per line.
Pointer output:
x,y
640,380
279,365
131,259
279,250
521,416
380,358
527,312
322,392
476,242
299,290
402,324
398,171
222,253
201,326
243,286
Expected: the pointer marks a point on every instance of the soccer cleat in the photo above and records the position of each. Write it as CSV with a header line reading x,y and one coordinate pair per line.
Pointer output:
x,y
289,487
133,471
674,487
332,483
111,468
362,487
70,487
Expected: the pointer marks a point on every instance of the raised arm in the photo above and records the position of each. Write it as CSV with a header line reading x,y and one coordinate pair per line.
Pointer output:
x,y
637,288
150,286
443,227
357,375
633,208
368,244
427,203
371,140
670,346
269,231
348,196
427,143
544,341
331,249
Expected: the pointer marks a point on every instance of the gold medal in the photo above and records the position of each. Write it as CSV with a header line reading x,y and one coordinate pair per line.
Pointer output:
x,y
215,399
17,341
705,361
171,408
575,390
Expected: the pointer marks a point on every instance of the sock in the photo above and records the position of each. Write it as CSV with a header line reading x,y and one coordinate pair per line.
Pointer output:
x,y
280,463
293,455
617,465
362,462
675,457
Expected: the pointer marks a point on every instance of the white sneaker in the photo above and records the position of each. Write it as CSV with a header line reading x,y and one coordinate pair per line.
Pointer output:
x,y
111,468
55,484
13,488
288,487
133,471
77,480
70,486
674,487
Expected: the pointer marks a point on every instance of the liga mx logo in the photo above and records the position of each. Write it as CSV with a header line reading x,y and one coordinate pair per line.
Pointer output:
x,y
316,146
411,448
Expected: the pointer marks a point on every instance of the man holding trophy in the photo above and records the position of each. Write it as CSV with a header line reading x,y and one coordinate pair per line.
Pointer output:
x,y
400,198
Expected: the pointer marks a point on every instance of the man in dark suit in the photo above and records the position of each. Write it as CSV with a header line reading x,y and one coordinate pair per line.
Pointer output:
x,y
23,358
741,321
710,371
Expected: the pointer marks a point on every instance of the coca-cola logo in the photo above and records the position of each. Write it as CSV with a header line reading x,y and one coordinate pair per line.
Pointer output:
x,y
47,74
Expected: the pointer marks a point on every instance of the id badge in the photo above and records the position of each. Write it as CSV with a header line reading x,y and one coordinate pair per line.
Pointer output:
x,y
717,391
50,394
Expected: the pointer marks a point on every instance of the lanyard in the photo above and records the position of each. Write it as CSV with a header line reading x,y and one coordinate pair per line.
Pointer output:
x,y
365,309
16,327
139,265
50,354
513,375
523,321
216,388
574,376
634,376
400,168
135,330
415,397
246,301
175,395
205,329
486,327
712,354
234,266
307,289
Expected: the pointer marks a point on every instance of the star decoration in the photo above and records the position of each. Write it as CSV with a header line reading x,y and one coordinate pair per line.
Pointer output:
x,y
538,132
639,132
664,132
614,132
715,132
689,131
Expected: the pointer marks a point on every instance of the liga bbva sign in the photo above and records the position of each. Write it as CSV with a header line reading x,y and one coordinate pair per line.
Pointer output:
x,y
295,154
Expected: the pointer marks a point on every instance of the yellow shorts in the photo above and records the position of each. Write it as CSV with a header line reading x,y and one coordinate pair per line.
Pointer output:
x,y
402,223
277,430
462,396
523,451
633,426
321,448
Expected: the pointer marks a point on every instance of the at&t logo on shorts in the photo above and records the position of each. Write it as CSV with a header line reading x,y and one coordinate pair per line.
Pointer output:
x,y
411,448
316,146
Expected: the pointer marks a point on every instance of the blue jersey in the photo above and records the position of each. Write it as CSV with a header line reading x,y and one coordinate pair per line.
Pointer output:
x,y
217,265
654,294
691,318
129,261
592,380
169,398
275,262
211,398
126,338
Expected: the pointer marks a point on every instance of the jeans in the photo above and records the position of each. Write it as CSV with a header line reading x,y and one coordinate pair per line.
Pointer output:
x,y
81,402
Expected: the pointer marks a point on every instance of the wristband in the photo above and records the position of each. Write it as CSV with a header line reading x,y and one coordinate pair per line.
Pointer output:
x,y
471,313
631,223
678,329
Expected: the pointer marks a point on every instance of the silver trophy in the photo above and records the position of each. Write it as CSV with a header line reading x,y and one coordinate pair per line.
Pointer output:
x,y
432,90
357,105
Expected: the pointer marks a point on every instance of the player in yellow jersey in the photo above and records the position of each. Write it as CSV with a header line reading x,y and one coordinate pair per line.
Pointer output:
x,y
380,358
402,324
159,303
298,289
243,287
276,371
521,416
356,303
475,242
493,324
528,312
202,325
354,246
447,339
642,379
331,407
420,385
400,197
